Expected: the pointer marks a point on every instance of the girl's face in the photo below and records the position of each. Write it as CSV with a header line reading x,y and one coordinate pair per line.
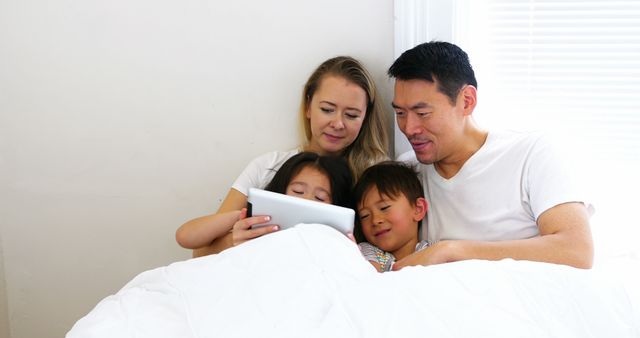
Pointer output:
x,y
336,113
311,184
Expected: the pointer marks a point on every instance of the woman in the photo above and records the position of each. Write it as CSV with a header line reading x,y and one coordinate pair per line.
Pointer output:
x,y
341,115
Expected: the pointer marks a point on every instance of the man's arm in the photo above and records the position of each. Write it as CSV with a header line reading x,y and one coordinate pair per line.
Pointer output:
x,y
565,238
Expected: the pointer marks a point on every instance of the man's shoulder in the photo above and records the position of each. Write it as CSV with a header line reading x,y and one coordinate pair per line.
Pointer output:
x,y
515,137
506,141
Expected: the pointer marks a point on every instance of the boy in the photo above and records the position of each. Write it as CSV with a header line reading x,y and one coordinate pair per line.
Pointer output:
x,y
391,205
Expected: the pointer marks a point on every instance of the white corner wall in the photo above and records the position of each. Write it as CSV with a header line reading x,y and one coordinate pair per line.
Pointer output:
x,y
120,120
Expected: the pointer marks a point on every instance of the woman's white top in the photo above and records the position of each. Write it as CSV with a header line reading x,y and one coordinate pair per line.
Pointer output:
x,y
261,170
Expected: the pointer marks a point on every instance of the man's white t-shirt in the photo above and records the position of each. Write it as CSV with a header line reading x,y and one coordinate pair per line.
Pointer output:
x,y
500,191
261,170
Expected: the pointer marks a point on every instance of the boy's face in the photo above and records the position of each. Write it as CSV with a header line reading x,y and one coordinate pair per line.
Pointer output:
x,y
391,223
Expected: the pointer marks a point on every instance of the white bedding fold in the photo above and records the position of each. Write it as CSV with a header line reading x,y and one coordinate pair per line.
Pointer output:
x,y
310,281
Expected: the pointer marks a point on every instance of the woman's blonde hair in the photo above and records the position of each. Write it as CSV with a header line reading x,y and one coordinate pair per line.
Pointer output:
x,y
372,144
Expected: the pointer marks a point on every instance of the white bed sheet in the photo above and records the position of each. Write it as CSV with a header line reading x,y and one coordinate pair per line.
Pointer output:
x,y
310,281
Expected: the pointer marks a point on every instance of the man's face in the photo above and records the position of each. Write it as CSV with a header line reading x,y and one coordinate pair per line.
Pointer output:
x,y
431,123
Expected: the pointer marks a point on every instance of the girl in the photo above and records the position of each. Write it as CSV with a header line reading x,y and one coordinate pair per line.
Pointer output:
x,y
307,175
341,115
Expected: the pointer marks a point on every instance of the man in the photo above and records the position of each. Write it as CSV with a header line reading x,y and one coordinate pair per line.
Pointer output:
x,y
492,195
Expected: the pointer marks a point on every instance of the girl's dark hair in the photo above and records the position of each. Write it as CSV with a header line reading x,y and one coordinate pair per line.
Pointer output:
x,y
392,179
336,168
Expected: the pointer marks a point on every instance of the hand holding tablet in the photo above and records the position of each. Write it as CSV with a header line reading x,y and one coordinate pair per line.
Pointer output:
x,y
287,211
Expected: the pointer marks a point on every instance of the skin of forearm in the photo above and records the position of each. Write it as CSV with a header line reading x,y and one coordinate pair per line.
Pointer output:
x,y
572,248
218,245
202,231
233,202
565,238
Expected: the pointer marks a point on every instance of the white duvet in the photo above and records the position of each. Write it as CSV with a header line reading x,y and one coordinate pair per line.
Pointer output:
x,y
311,281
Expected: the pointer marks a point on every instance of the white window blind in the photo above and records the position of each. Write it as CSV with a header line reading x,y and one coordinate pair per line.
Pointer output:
x,y
569,67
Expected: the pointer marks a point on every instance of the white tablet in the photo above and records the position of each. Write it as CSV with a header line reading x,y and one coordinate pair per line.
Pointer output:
x,y
287,211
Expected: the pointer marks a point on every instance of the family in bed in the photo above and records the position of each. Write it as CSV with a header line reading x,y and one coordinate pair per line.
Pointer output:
x,y
491,194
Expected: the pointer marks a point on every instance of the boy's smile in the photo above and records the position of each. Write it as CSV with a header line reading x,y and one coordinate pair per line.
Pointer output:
x,y
382,232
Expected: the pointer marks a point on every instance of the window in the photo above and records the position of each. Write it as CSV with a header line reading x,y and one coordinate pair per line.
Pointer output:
x,y
568,67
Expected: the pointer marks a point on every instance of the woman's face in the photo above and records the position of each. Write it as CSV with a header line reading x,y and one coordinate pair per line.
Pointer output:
x,y
311,184
336,113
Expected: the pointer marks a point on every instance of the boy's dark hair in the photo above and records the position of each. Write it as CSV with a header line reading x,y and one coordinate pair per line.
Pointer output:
x,y
438,62
336,168
392,179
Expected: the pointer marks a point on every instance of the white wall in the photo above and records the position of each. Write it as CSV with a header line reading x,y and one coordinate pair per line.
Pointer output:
x,y
120,120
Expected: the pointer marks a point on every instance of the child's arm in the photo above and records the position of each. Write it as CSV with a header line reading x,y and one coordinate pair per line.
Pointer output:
x,y
201,231
233,202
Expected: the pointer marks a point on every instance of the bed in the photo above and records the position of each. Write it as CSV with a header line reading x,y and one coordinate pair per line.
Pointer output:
x,y
311,281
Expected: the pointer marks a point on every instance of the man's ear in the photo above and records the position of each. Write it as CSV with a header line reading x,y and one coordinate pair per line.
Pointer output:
x,y
470,98
420,209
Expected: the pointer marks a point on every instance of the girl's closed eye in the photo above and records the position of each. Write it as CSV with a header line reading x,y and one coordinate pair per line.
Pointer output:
x,y
296,188
322,195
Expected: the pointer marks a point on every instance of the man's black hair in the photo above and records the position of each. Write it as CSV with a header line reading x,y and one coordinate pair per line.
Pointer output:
x,y
438,62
